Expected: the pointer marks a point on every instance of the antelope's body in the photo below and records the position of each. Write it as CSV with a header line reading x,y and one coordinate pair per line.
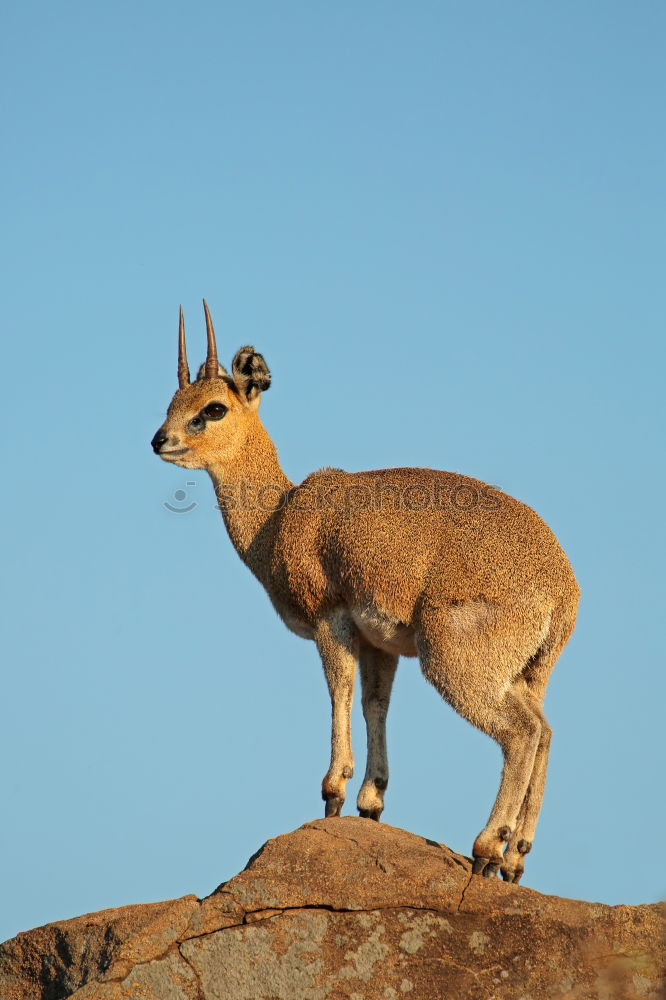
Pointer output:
x,y
399,562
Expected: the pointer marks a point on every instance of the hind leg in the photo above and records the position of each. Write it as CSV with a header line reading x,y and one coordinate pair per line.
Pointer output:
x,y
517,728
520,842
472,666
533,683
377,673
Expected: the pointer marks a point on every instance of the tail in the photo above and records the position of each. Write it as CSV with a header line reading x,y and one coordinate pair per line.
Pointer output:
x,y
540,665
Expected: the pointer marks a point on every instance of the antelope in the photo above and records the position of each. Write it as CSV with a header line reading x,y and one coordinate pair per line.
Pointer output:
x,y
372,566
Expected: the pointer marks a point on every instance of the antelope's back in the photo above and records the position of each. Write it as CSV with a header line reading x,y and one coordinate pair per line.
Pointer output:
x,y
386,536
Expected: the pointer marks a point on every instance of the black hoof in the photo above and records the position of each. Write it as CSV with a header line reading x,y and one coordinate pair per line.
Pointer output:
x,y
370,814
485,867
509,876
333,807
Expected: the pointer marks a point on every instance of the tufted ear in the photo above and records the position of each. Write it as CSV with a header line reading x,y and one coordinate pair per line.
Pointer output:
x,y
250,373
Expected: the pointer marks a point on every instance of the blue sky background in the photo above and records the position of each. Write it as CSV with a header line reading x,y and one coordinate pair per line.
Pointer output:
x,y
443,224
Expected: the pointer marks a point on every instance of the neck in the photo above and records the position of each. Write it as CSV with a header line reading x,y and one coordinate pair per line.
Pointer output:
x,y
250,492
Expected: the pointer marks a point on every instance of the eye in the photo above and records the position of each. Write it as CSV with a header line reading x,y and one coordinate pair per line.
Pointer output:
x,y
214,411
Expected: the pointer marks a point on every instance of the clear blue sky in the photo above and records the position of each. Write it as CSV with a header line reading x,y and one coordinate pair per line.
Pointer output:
x,y
443,224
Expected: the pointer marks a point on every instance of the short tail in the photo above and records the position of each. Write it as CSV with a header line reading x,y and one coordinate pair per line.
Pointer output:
x,y
540,665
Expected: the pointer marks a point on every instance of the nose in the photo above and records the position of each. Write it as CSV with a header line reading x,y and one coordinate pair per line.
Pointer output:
x,y
159,440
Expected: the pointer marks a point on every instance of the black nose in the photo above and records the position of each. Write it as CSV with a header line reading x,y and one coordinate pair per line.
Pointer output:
x,y
158,441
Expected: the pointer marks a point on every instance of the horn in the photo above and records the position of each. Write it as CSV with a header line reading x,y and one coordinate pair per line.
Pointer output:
x,y
183,370
211,366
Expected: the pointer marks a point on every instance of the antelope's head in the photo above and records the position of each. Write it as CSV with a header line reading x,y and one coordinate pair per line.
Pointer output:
x,y
208,420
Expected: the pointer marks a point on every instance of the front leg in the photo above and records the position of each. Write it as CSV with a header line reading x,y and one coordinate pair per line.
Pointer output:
x,y
377,673
338,644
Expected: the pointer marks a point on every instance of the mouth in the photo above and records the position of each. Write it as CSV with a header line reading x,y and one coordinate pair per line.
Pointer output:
x,y
175,451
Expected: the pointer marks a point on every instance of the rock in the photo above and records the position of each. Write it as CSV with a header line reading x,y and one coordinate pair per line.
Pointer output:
x,y
347,908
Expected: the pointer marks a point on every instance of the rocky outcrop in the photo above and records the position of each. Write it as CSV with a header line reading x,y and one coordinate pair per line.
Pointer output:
x,y
347,908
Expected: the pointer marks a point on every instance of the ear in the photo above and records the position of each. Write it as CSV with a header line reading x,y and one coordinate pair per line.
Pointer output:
x,y
250,373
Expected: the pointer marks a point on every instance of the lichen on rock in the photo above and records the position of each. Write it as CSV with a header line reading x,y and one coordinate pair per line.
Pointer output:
x,y
347,908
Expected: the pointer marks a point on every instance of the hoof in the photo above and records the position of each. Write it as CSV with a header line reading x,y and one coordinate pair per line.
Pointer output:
x,y
479,865
370,814
486,867
333,806
511,876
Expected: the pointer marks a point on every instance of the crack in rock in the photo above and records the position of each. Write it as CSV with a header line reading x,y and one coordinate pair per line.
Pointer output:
x,y
409,934
374,858
462,897
197,977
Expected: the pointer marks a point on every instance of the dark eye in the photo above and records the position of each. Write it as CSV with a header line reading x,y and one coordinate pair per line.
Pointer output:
x,y
214,411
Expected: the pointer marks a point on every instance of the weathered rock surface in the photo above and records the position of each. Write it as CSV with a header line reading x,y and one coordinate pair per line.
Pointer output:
x,y
347,908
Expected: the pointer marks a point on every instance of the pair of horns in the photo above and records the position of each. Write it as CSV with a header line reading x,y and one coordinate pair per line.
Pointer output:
x,y
211,365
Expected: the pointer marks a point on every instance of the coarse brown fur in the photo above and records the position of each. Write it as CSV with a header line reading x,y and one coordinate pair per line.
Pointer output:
x,y
375,565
